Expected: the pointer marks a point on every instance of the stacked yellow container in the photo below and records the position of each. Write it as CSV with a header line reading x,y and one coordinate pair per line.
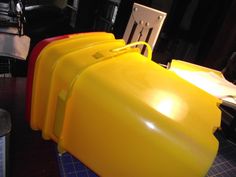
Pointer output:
x,y
120,113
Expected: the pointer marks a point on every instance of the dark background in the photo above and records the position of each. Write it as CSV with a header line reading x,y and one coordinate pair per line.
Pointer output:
x,y
198,31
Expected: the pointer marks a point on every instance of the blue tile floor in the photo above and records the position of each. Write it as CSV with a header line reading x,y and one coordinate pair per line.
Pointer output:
x,y
71,167
223,166
2,156
225,162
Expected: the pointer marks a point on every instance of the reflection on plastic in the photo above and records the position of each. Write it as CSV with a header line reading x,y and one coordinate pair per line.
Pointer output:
x,y
169,105
150,125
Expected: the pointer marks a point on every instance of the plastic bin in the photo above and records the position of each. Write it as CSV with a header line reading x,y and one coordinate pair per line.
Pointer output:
x,y
44,67
128,116
31,66
182,65
68,68
5,129
120,113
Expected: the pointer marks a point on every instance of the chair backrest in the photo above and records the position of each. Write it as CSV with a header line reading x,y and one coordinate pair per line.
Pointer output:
x,y
144,25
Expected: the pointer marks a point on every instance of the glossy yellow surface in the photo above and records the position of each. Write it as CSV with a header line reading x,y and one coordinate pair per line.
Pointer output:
x,y
68,68
209,80
45,64
129,117
182,65
120,113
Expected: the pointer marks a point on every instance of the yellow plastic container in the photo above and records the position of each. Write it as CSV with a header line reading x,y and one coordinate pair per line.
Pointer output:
x,y
45,65
129,117
182,65
68,68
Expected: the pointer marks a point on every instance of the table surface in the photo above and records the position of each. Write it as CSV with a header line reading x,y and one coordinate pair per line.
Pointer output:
x,y
30,155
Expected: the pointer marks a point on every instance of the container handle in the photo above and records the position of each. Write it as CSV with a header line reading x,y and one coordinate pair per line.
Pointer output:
x,y
149,49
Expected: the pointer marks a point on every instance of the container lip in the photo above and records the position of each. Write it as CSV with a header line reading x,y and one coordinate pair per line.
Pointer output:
x,y
5,122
